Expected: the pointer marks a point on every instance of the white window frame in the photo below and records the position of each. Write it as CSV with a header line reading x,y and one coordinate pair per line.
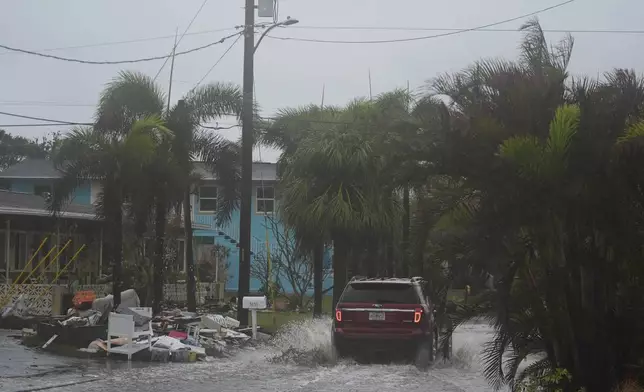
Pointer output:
x,y
258,199
202,211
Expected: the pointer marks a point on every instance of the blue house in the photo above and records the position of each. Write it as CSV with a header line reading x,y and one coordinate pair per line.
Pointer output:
x,y
37,176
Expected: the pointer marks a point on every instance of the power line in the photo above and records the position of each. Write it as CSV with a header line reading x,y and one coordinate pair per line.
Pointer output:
x,y
174,48
120,61
427,36
131,41
52,122
394,28
215,64
59,122
38,125
44,103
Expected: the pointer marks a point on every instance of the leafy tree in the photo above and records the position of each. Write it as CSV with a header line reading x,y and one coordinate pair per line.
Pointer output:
x,y
14,149
548,174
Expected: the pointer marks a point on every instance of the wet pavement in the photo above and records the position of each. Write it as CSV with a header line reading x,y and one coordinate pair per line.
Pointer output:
x,y
295,361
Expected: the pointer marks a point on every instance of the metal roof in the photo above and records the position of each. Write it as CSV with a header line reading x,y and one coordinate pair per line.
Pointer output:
x,y
17,203
31,168
44,169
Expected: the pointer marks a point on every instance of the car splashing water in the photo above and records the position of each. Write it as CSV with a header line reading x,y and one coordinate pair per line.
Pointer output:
x,y
298,358
308,344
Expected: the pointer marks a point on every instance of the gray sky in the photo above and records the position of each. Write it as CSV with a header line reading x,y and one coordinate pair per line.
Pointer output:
x,y
287,73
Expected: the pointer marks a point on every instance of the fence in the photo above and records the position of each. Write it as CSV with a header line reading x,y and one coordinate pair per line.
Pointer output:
x,y
45,299
38,297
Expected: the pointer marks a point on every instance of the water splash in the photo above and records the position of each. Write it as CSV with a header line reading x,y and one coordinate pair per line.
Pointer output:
x,y
305,343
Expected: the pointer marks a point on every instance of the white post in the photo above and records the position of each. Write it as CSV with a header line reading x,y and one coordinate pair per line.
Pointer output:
x,y
100,255
7,250
252,304
253,317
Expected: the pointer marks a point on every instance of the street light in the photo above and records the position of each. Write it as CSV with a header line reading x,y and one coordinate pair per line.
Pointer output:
x,y
247,154
287,22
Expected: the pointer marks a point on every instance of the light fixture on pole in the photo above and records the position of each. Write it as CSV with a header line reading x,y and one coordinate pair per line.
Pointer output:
x,y
288,22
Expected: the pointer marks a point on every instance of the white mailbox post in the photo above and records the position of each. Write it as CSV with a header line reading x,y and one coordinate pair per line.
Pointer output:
x,y
253,304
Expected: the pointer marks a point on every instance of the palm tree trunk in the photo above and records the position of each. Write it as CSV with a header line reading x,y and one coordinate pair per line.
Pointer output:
x,y
159,267
114,222
390,260
371,267
190,260
340,253
118,257
406,269
318,266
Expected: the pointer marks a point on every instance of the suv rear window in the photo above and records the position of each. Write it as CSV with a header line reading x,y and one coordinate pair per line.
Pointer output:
x,y
383,293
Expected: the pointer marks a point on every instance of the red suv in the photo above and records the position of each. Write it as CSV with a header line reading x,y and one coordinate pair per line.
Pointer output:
x,y
385,315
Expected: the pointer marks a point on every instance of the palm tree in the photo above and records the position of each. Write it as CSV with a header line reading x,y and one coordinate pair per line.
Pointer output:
x,y
286,132
331,182
118,161
171,174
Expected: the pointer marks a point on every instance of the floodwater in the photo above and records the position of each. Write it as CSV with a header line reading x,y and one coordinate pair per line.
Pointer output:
x,y
296,360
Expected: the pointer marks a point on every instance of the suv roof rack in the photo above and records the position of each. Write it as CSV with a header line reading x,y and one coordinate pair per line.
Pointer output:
x,y
415,279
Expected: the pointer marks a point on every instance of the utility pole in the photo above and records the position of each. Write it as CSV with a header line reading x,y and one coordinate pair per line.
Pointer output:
x,y
246,164
174,51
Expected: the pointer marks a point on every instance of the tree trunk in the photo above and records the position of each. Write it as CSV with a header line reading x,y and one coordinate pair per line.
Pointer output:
x,y
390,258
190,260
159,264
318,266
340,253
406,268
372,260
114,216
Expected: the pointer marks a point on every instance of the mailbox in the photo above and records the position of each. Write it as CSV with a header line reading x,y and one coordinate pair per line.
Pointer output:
x,y
254,303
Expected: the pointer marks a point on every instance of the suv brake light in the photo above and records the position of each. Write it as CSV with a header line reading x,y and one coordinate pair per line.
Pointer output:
x,y
418,314
338,315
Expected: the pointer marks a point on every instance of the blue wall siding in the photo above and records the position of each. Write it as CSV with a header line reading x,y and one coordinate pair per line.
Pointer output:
x,y
26,186
83,194
258,231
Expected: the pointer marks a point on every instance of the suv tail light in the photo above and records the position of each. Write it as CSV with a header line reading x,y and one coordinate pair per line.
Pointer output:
x,y
418,314
338,315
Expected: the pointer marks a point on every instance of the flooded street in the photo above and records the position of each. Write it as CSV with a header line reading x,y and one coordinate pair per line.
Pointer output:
x,y
295,361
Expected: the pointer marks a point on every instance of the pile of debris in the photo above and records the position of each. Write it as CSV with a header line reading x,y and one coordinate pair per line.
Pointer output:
x,y
172,335
181,336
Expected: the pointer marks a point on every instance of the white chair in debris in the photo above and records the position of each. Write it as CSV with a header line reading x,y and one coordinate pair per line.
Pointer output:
x,y
122,326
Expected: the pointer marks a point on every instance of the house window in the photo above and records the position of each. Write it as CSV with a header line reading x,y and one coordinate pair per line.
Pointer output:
x,y
208,199
265,200
41,189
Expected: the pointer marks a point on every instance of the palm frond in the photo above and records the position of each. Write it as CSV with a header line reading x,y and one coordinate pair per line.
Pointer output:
x,y
534,48
563,128
213,101
129,96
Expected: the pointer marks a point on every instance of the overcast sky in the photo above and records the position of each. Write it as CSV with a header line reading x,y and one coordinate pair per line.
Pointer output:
x,y
287,73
